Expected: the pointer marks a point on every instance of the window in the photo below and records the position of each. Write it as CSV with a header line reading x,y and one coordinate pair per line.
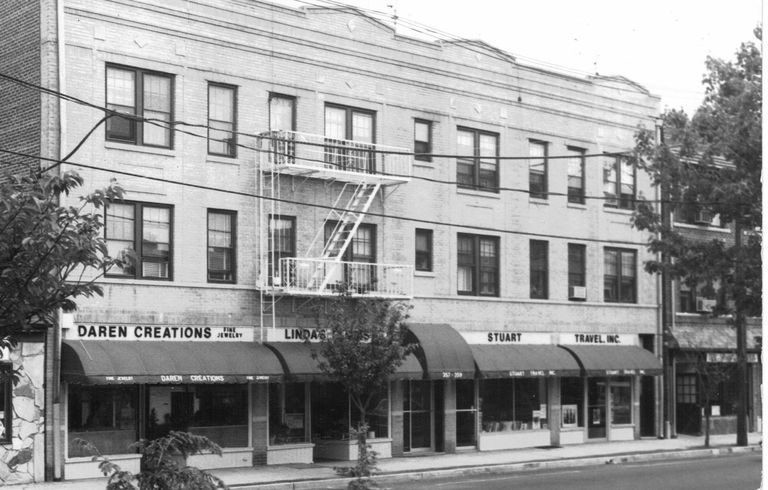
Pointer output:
x,y
282,123
572,400
281,244
576,175
422,140
620,276
477,167
478,265
687,391
287,413
619,183
577,271
621,401
222,138
106,416
221,246
537,169
360,275
6,408
539,252
143,94
144,232
513,404
423,250
686,299
349,138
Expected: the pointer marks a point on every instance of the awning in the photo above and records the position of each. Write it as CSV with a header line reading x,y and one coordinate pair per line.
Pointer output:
x,y
713,337
443,351
511,361
297,361
128,362
615,360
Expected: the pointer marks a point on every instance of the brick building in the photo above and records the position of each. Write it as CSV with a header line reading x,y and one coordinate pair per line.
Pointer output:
x,y
535,322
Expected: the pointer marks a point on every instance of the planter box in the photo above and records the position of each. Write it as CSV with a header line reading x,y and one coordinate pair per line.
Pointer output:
x,y
290,453
347,450
230,458
623,433
84,467
493,441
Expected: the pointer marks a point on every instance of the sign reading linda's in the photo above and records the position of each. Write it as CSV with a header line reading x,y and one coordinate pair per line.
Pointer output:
x,y
296,334
159,333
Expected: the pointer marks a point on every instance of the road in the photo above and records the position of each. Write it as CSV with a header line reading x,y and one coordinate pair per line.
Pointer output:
x,y
735,472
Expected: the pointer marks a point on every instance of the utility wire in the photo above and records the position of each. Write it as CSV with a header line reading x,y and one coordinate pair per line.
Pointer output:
x,y
326,207
172,125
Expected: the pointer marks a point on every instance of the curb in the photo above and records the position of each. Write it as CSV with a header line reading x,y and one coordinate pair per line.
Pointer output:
x,y
389,478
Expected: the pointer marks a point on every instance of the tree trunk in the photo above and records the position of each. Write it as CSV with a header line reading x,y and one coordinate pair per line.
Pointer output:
x,y
362,437
707,411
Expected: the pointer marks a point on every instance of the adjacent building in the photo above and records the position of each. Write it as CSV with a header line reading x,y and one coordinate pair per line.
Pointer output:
x,y
272,156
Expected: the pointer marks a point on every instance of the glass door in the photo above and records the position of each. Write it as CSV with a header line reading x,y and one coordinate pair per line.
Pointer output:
x,y
466,413
417,416
596,408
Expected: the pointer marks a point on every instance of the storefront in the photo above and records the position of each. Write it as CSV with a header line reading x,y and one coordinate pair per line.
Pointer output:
x,y
126,382
705,377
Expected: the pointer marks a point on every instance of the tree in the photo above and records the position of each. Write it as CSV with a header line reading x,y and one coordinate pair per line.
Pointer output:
x,y
712,163
46,250
364,345
710,376
163,464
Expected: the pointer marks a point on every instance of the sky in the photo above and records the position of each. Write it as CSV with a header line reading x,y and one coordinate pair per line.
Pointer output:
x,y
660,44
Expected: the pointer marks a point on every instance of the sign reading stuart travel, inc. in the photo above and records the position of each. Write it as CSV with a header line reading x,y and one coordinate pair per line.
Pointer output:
x,y
598,339
202,333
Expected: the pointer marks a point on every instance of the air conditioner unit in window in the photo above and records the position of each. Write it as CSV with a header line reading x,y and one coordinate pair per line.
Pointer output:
x,y
703,217
577,292
704,305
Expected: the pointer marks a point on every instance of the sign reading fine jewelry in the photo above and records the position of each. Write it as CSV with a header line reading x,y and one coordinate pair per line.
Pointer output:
x,y
158,333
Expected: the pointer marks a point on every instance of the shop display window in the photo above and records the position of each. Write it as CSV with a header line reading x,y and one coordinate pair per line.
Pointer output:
x,y
105,416
377,415
330,411
513,404
572,400
287,413
621,401
218,412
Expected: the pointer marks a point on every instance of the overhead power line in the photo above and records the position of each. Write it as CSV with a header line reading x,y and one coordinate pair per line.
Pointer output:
x,y
326,207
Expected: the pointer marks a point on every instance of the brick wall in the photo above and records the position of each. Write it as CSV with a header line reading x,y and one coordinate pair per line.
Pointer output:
x,y
20,108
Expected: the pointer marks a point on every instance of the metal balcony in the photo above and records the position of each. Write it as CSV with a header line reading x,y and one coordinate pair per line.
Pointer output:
x,y
324,277
313,155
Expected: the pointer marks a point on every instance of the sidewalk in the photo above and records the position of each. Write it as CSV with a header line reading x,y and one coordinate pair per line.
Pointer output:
x,y
321,475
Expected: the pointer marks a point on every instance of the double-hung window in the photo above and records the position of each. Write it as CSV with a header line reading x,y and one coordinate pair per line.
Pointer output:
x,y
422,140
145,232
619,183
280,245
537,169
222,126
620,275
143,94
577,271
478,265
477,166
359,272
282,124
221,246
349,138
539,260
423,250
576,175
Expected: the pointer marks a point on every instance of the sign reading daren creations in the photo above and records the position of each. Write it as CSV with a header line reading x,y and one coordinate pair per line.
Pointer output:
x,y
159,333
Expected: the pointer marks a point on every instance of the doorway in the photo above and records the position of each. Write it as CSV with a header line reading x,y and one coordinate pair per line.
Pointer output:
x,y
417,416
596,408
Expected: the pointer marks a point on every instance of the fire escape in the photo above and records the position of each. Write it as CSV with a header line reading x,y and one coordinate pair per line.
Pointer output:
x,y
362,169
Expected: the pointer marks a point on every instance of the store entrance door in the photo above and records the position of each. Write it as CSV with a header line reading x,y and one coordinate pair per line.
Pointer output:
x,y
417,416
596,408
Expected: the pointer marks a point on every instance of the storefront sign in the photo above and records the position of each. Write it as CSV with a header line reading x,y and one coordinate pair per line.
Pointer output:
x,y
507,338
598,339
297,334
729,357
180,379
158,333
532,373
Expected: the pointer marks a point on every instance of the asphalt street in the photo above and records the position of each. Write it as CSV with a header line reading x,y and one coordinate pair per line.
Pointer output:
x,y
736,472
